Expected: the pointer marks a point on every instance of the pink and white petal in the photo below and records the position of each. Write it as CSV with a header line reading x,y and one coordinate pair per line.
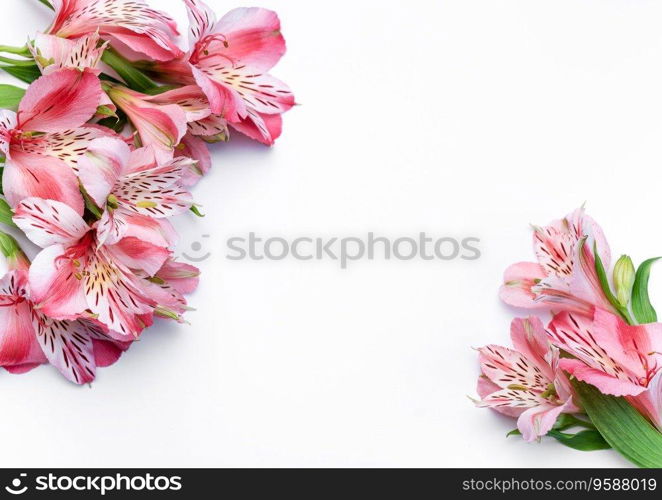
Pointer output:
x,y
162,128
636,348
55,288
223,99
158,232
156,192
48,222
530,339
190,98
37,176
166,297
100,167
506,368
8,123
196,149
512,398
485,387
111,228
262,128
17,334
141,159
114,295
142,44
64,99
53,52
68,347
202,20
253,37
538,421
107,352
605,344
139,255
518,282
143,29
607,384
68,145
649,403
185,278
260,92
213,128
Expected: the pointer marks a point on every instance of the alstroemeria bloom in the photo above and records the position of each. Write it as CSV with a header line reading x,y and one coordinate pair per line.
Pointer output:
x,y
28,338
75,275
43,141
131,187
229,60
564,276
53,52
130,22
525,382
159,126
617,358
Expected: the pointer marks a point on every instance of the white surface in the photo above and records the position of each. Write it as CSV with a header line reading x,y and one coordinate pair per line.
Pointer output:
x,y
452,117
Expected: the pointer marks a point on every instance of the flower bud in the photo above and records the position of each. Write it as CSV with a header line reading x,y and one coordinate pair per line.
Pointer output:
x,y
624,275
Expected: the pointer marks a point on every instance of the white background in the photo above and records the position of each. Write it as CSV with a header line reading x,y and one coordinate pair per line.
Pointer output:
x,y
459,118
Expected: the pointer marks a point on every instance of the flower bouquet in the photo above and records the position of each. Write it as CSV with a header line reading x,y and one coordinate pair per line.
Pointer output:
x,y
100,151
591,378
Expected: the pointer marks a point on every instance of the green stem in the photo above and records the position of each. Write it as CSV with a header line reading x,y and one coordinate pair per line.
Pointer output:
x,y
134,78
16,62
20,51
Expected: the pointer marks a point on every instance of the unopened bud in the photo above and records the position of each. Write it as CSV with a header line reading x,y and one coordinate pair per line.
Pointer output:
x,y
624,275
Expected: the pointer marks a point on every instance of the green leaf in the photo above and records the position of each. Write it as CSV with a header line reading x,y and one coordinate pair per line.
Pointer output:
x,y
606,288
27,74
623,427
566,421
6,214
641,304
90,205
134,78
8,246
47,4
116,123
514,432
589,440
10,96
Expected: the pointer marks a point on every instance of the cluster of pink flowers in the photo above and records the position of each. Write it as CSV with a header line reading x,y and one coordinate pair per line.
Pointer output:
x,y
101,151
592,335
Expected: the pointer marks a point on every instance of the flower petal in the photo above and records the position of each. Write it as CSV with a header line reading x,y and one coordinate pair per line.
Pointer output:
x,y
19,350
506,368
68,347
59,101
48,222
101,166
37,176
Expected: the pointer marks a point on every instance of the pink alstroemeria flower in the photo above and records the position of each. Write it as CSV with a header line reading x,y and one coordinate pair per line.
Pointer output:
x,y
564,276
28,338
617,358
229,60
75,275
53,52
43,141
159,126
525,382
132,188
130,22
